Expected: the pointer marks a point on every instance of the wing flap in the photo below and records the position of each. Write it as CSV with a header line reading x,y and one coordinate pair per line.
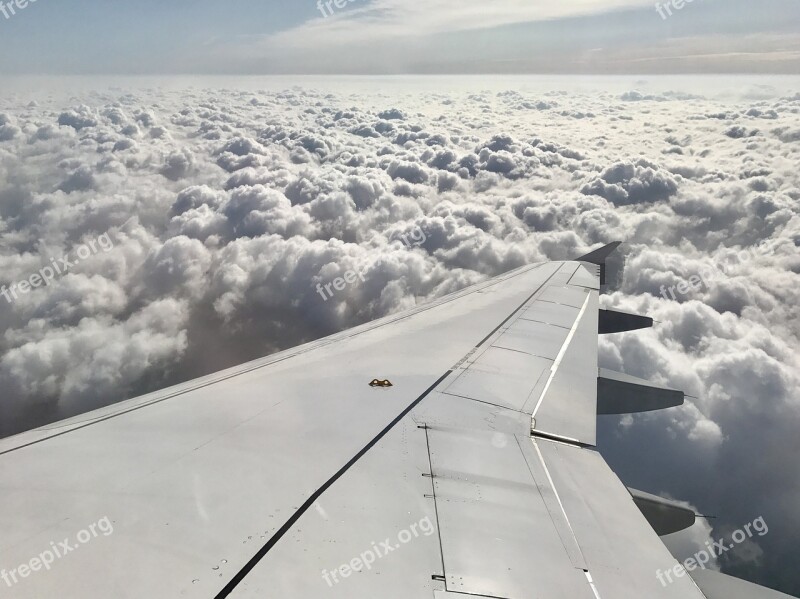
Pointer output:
x,y
617,542
497,534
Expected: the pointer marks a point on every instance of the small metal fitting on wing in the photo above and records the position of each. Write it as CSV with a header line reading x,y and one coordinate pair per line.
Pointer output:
x,y
379,383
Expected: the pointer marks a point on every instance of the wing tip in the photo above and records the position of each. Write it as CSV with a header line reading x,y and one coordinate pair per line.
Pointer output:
x,y
599,255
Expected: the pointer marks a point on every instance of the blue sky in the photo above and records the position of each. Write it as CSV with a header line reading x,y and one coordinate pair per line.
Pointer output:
x,y
119,36
399,36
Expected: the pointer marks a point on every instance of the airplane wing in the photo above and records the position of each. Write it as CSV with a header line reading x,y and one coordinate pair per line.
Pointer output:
x,y
443,452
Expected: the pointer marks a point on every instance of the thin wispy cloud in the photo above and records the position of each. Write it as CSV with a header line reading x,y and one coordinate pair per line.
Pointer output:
x,y
382,19
473,36
402,37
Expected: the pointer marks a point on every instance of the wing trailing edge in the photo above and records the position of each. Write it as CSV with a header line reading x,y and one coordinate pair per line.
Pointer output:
x,y
716,585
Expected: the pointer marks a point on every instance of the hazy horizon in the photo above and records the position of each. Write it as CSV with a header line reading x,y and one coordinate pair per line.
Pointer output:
x,y
394,37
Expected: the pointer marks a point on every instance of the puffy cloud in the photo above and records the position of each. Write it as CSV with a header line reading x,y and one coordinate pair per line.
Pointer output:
x,y
408,171
178,164
8,130
93,360
633,183
81,179
258,210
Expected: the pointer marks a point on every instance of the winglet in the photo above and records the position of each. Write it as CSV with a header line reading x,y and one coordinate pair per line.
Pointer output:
x,y
599,256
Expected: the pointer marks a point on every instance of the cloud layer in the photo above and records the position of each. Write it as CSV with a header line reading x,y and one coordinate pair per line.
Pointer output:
x,y
227,208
